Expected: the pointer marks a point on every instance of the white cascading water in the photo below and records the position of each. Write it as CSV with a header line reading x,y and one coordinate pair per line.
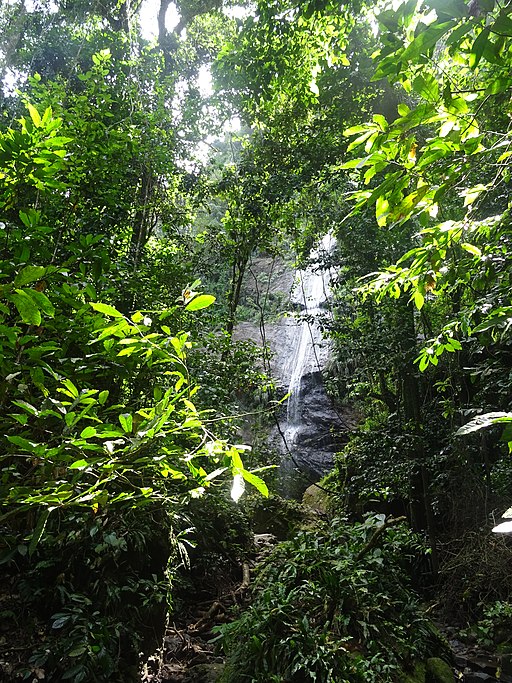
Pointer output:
x,y
310,291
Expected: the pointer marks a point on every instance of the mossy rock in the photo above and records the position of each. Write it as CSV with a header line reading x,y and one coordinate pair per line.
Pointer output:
x,y
317,499
417,676
277,516
438,671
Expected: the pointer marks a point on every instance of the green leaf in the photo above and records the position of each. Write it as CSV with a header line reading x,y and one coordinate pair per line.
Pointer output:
x,y
380,121
88,432
79,465
449,9
34,115
106,309
455,344
426,86
201,301
38,531
29,274
257,482
482,421
26,406
126,421
24,444
479,47
70,387
471,248
503,24
426,39
381,211
103,395
419,299
27,308
43,302
354,130
423,359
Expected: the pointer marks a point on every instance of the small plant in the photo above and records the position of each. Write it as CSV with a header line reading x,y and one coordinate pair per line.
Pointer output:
x,y
495,627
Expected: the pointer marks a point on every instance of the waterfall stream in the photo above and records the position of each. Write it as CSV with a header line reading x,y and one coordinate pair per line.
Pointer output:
x,y
305,431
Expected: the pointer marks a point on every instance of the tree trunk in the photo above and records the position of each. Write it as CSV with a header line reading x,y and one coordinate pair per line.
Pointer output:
x,y
422,516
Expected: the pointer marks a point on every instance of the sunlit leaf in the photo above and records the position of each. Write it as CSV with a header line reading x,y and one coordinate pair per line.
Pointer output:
x,y
106,309
199,302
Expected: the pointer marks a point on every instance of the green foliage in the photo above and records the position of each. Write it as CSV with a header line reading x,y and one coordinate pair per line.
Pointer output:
x,y
102,441
218,537
494,627
91,601
375,467
427,160
328,606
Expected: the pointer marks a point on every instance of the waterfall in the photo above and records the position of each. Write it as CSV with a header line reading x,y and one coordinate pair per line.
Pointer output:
x,y
306,429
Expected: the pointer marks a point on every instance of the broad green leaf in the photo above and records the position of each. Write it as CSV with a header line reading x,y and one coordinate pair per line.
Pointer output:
x,y
498,320
126,421
88,432
42,301
70,387
425,40
29,274
102,397
426,86
419,299
449,9
257,482
27,308
355,130
200,301
471,248
34,115
479,47
26,406
380,121
381,210
106,309
79,465
25,444
482,421
503,24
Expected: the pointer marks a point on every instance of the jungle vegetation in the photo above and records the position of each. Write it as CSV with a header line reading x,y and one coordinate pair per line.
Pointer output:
x,y
139,176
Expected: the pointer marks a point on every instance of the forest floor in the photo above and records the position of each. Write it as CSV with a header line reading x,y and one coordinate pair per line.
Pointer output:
x,y
189,654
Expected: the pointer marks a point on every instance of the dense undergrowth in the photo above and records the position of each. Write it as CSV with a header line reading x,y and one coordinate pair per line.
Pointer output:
x,y
333,604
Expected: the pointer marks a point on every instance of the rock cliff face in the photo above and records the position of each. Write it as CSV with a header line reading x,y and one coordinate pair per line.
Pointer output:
x,y
310,429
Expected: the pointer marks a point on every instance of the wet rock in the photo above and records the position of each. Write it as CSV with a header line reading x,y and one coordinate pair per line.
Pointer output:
x,y
461,661
505,660
478,677
320,430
